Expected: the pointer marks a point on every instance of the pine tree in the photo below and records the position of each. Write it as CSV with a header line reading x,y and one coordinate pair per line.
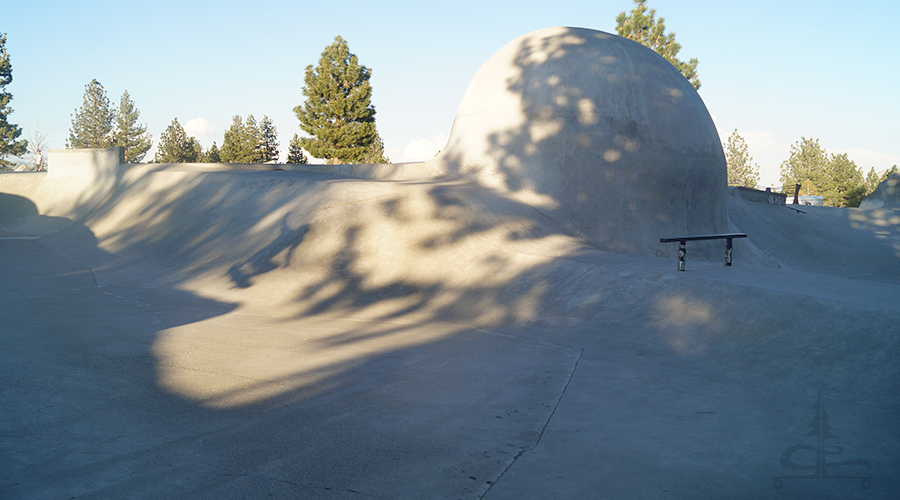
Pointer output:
x,y
338,112
806,166
176,147
10,144
843,184
92,124
295,152
242,142
212,154
741,169
133,137
651,32
872,180
375,152
268,141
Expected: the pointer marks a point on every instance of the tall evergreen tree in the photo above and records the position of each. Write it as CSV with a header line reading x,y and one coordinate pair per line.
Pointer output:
x,y
295,152
92,124
242,142
133,137
741,169
643,27
268,141
338,112
843,184
211,155
10,144
375,152
806,166
872,180
176,147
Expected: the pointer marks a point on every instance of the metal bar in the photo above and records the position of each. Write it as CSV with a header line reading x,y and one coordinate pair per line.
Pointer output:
x,y
703,237
682,240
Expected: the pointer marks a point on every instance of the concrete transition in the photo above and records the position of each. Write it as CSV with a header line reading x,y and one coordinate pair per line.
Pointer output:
x,y
495,323
886,195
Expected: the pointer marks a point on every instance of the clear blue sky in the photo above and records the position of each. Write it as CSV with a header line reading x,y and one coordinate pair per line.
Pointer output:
x,y
774,70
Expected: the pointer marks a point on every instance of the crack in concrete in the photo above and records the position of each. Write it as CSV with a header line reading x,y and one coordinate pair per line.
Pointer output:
x,y
543,429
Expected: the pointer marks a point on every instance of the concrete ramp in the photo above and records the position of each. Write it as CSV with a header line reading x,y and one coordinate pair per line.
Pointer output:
x,y
201,331
854,243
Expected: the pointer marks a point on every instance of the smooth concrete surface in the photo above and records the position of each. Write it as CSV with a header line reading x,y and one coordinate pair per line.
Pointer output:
x,y
256,334
598,132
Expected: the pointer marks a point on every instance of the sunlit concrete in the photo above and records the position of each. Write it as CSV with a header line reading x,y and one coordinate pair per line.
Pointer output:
x,y
222,331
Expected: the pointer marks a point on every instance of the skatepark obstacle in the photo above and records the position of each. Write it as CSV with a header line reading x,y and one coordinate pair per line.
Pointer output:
x,y
682,240
596,132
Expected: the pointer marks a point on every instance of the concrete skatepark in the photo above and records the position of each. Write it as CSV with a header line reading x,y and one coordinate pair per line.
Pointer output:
x,y
499,322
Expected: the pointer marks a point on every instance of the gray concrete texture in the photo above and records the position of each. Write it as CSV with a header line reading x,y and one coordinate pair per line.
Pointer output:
x,y
886,195
405,331
599,133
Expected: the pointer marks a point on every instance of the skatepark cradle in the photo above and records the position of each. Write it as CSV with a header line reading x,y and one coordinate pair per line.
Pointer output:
x,y
499,322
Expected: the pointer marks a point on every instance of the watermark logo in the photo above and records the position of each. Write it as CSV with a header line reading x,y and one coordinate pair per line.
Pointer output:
x,y
821,468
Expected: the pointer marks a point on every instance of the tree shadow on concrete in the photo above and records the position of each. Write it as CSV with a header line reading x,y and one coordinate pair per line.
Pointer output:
x,y
183,391
618,148
261,261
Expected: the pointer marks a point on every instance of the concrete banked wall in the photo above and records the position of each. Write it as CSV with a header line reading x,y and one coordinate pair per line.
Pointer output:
x,y
297,242
36,204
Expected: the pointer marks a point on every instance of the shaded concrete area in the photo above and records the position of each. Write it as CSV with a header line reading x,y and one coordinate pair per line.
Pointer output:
x,y
108,395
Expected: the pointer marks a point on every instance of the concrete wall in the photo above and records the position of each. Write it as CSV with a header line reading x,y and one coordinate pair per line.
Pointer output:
x,y
88,165
76,181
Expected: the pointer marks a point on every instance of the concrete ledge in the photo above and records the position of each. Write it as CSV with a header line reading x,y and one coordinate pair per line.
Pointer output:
x,y
85,164
758,196
382,171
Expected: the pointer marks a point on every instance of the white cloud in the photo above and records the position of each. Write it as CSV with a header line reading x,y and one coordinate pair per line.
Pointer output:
x,y
424,149
199,128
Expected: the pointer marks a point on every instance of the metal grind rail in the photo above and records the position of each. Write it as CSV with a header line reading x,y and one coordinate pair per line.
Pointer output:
x,y
682,240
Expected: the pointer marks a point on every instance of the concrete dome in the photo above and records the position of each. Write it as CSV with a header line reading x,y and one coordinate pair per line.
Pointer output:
x,y
600,133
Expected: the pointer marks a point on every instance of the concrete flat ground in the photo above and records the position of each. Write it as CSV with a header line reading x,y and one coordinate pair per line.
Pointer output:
x,y
199,334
